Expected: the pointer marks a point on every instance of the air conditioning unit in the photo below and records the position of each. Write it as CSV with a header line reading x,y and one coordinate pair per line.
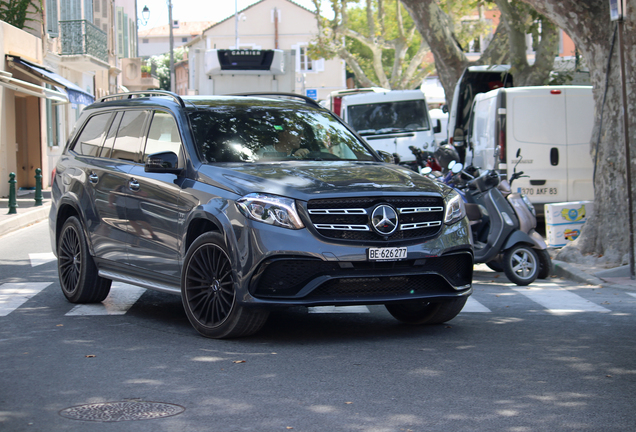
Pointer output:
x,y
244,62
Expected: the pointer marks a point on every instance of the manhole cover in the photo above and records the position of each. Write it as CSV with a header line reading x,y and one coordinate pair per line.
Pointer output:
x,y
121,411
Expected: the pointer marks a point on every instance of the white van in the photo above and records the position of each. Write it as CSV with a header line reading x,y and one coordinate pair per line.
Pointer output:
x,y
391,121
474,80
552,125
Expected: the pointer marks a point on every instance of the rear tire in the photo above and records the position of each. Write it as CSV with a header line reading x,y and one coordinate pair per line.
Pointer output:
x,y
208,292
521,264
495,264
77,271
418,313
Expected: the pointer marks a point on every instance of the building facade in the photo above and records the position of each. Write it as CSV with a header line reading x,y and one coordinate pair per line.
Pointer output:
x,y
51,71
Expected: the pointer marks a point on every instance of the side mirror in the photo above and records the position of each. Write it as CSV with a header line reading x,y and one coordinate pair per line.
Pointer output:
x,y
445,109
438,127
164,162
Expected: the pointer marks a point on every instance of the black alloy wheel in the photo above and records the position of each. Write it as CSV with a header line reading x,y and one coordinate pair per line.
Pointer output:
x,y
208,292
77,271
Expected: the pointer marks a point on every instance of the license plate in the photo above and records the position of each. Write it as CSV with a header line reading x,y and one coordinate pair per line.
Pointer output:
x,y
539,191
386,254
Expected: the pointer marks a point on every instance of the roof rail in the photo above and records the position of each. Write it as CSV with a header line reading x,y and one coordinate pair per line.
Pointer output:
x,y
149,93
307,99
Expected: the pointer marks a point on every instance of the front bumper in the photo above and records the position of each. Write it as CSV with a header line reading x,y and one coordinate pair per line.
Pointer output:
x,y
282,267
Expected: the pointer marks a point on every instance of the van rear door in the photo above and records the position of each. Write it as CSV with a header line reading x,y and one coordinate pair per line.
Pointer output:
x,y
579,105
536,124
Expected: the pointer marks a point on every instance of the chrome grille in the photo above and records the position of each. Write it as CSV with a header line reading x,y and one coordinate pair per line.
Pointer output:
x,y
350,218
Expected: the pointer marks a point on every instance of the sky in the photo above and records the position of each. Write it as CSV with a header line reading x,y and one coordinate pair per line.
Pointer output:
x,y
196,10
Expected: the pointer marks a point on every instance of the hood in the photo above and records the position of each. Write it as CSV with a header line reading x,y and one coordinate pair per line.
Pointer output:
x,y
304,180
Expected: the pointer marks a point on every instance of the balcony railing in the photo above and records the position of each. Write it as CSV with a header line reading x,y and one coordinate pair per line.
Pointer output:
x,y
81,37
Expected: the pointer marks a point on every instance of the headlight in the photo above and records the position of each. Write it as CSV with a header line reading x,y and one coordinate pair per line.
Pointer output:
x,y
529,204
455,210
270,209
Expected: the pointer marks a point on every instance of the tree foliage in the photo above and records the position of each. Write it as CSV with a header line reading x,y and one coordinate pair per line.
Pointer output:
x,y
377,39
16,12
160,64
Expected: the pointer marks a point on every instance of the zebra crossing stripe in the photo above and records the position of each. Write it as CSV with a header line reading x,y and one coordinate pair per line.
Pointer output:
x,y
473,305
121,298
14,295
558,300
41,258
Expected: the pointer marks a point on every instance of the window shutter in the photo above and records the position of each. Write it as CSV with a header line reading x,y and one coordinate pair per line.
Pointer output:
x,y
126,39
120,32
51,18
88,10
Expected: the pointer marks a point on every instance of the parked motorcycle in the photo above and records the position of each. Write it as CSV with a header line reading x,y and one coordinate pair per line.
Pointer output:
x,y
503,223
504,235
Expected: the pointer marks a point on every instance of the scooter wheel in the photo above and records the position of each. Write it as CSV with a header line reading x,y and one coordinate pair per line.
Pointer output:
x,y
495,264
521,264
546,267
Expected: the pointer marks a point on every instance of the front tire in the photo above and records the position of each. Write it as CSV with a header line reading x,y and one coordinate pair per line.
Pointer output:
x,y
546,267
208,292
521,264
77,271
418,313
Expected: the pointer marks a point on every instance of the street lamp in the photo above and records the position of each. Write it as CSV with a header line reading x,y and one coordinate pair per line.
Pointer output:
x,y
145,15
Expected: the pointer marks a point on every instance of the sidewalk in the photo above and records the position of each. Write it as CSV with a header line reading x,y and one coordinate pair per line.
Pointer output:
x,y
27,213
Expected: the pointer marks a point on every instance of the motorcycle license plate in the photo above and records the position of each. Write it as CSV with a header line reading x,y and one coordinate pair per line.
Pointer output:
x,y
386,254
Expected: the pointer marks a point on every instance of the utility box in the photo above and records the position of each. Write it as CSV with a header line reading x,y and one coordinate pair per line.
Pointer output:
x,y
564,221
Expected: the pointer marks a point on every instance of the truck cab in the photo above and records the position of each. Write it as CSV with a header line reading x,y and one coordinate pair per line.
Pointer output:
x,y
391,121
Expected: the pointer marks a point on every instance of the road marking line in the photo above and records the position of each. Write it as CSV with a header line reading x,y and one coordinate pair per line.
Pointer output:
x,y
558,300
473,305
14,295
41,258
338,309
121,298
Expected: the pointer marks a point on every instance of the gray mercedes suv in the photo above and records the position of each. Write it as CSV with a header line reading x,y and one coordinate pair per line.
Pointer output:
x,y
242,204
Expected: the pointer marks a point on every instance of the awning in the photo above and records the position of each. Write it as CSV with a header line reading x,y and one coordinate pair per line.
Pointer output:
x,y
7,80
75,94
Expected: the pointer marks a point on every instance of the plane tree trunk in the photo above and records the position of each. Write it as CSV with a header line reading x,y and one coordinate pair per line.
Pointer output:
x,y
606,233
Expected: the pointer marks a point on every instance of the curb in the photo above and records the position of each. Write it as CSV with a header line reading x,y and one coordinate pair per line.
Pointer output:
x,y
23,219
567,271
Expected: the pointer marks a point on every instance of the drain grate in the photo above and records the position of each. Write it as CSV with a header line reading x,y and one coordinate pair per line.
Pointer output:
x,y
122,411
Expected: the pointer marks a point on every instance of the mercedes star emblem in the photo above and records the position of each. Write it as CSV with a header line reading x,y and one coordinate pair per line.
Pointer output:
x,y
384,220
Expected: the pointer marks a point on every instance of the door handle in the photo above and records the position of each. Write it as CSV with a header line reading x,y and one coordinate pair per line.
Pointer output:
x,y
133,185
93,178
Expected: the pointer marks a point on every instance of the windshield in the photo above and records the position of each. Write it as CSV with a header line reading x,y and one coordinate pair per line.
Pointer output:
x,y
388,117
262,133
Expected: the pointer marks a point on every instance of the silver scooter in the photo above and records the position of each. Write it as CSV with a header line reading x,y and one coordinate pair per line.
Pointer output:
x,y
503,225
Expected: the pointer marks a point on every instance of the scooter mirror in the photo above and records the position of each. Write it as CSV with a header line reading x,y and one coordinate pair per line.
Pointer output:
x,y
451,165
518,152
426,170
457,168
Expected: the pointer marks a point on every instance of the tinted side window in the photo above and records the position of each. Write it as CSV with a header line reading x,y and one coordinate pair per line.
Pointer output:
x,y
128,141
163,136
107,148
90,140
